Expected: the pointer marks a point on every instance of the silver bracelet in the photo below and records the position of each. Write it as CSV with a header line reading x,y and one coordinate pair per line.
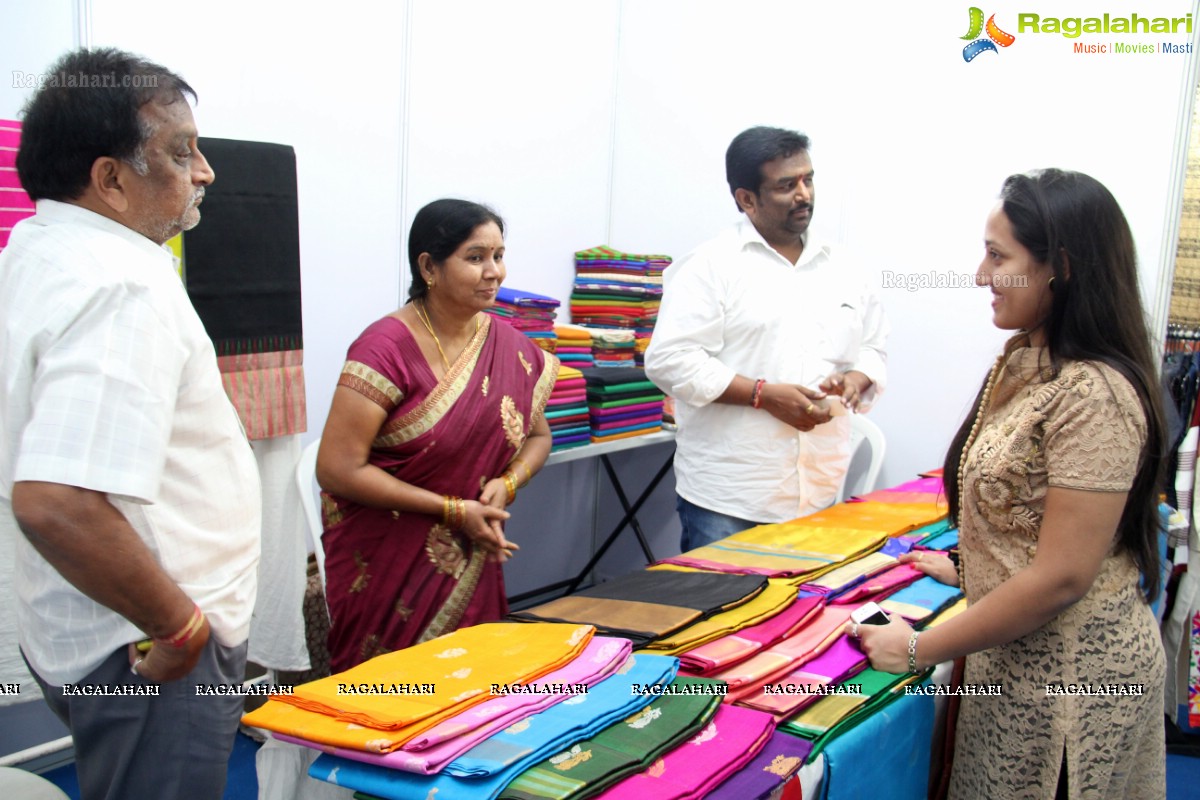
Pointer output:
x,y
912,652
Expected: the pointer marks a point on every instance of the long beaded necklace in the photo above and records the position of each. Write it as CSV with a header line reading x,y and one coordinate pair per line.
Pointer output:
x,y
423,315
962,457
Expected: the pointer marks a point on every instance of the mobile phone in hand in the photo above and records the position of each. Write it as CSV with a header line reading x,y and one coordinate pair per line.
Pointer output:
x,y
870,614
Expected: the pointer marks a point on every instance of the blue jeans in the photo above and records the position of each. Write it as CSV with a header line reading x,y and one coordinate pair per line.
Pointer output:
x,y
701,526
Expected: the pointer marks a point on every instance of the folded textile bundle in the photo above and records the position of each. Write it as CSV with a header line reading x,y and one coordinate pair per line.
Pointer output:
x,y
573,344
749,677
618,290
526,311
921,600
425,684
613,348
567,410
778,761
15,205
622,749
769,603
804,685
834,714
645,605
712,657
811,546
692,770
483,771
433,749
622,403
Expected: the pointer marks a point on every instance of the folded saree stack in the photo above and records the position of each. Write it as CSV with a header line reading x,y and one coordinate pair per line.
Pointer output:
x,y
627,748
15,205
567,410
381,704
483,771
643,606
727,744
622,403
806,548
532,314
618,290
435,748
574,346
613,348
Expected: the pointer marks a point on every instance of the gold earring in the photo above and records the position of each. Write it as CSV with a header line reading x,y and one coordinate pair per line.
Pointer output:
x,y
1050,283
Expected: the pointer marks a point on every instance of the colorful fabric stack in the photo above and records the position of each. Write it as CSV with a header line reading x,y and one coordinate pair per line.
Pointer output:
x,y
710,658
624,749
613,348
809,547
768,604
437,679
827,718
487,768
622,403
768,773
434,749
567,410
532,314
726,745
643,606
574,346
15,205
618,290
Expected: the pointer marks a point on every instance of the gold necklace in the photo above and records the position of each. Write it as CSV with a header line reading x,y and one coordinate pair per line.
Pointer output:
x,y
423,315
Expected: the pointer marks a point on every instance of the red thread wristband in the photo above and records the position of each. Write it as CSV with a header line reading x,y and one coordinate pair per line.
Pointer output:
x,y
185,634
756,395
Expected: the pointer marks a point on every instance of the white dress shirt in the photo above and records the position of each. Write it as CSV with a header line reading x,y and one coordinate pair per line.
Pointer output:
x,y
735,306
110,383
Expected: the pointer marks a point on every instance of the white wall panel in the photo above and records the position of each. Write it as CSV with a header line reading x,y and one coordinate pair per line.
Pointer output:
x,y
910,145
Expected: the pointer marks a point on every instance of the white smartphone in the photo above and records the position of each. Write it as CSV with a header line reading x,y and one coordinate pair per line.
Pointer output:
x,y
870,614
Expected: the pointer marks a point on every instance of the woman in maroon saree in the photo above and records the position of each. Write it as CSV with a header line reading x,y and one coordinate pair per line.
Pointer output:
x,y
437,419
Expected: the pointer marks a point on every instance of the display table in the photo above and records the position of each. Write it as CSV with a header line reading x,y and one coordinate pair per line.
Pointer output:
x,y
628,520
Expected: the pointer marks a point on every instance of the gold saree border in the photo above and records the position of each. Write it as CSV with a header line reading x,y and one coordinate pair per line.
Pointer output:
x,y
429,412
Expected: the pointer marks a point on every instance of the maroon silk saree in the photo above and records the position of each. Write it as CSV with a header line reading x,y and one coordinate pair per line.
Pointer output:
x,y
395,578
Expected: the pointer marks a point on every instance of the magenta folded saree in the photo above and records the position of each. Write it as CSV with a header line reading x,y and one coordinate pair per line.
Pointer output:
x,y
433,749
921,490
692,770
888,581
808,683
765,775
737,647
747,678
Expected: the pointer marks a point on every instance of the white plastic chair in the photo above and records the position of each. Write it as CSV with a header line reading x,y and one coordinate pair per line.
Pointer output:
x,y
306,475
859,481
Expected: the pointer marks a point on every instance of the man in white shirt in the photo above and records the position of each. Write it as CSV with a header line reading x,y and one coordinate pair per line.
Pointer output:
x,y
766,340
121,459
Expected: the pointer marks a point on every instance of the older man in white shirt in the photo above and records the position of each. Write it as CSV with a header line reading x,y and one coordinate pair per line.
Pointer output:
x,y
121,459
766,339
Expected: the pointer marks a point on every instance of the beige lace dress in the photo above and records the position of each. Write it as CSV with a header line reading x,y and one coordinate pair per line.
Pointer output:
x,y
1083,429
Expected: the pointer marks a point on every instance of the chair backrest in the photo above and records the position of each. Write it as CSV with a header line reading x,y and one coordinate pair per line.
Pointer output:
x,y
306,475
861,479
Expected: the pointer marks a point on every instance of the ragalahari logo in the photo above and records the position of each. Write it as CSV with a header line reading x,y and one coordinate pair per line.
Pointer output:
x,y
995,36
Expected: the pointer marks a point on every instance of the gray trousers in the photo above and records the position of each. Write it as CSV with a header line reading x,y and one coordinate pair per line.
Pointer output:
x,y
174,746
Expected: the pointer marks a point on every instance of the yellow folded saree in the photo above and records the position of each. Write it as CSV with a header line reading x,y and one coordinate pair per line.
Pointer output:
x,y
382,703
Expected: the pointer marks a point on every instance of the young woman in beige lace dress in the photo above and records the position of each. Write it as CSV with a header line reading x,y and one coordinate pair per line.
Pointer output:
x,y
1053,479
